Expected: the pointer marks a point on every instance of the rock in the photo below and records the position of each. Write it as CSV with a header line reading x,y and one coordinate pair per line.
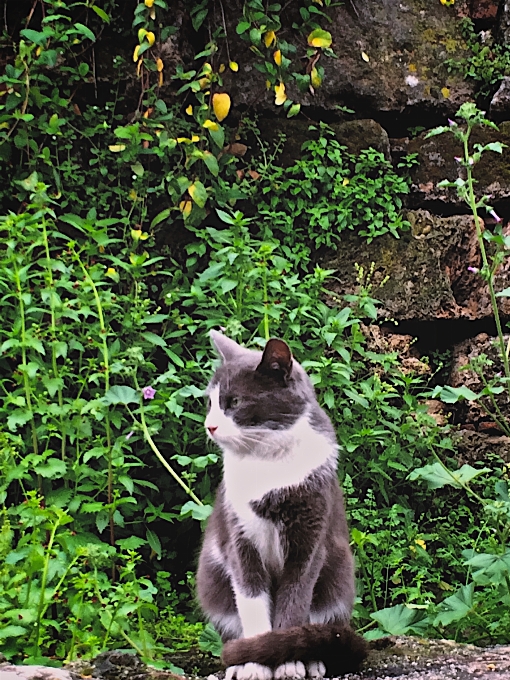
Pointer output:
x,y
472,412
409,658
390,58
500,104
10,672
477,446
436,158
427,269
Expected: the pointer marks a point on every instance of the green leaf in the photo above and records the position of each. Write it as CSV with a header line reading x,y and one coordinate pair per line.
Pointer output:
x,y
83,30
154,542
455,607
154,339
211,163
131,543
451,395
199,512
160,217
101,13
293,110
198,193
122,394
242,27
51,469
36,37
217,136
437,476
400,620
11,631
210,641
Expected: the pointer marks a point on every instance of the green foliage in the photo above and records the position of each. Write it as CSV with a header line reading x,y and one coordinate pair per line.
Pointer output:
x,y
488,61
327,192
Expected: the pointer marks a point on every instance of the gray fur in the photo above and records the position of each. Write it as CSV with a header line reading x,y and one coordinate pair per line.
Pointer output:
x,y
302,564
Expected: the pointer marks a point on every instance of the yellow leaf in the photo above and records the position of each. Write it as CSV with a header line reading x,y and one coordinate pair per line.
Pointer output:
x,y
152,14
221,105
207,68
149,3
136,234
315,78
111,273
320,38
268,84
270,38
185,207
211,125
117,147
365,56
159,64
203,82
277,56
151,38
189,110
142,32
280,95
421,543
195,138
319,2
412,68
234,66
345,182
135,53
222,68
445,92
133,195
160,78
181,140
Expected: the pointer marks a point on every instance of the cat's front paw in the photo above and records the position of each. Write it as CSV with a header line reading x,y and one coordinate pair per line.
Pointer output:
x,y
315,670
292,670
249,671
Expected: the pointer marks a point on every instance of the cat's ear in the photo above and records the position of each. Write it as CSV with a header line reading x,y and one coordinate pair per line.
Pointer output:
x,y
226,348
276,359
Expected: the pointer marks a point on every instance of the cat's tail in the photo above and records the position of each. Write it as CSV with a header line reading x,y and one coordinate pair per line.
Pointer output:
x,y
339,648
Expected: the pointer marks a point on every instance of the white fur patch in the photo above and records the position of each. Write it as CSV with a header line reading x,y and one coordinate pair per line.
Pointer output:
x,y
338,612
291,669
316,670
248,671
254,613
226,429
295,454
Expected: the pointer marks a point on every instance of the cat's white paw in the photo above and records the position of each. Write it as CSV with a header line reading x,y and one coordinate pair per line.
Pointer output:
x,y
249,671
292,670
316,670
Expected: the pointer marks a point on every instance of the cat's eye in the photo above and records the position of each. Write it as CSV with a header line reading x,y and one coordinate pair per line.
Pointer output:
x,y
232,402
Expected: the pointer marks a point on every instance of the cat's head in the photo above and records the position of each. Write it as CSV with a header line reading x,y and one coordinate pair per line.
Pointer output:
x,y
255,397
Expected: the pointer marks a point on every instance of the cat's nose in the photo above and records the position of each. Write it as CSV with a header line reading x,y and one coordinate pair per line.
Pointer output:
x,y
212,429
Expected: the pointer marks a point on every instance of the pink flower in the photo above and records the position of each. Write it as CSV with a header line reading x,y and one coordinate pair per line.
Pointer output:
x,y
458,159
473,270
130,434
148,392
494,214
451,122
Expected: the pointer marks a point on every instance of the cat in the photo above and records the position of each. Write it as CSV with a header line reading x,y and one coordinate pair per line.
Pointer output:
x,y
275,573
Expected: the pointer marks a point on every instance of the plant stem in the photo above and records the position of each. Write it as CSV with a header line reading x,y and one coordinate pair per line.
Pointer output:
x,y
485,261
26,381
106,362
162,460
53,326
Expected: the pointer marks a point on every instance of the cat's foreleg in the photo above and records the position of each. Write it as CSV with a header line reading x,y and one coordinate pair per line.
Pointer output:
x,y
250,582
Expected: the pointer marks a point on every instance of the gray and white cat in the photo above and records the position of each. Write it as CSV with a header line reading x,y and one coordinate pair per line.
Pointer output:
x,y
276,574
